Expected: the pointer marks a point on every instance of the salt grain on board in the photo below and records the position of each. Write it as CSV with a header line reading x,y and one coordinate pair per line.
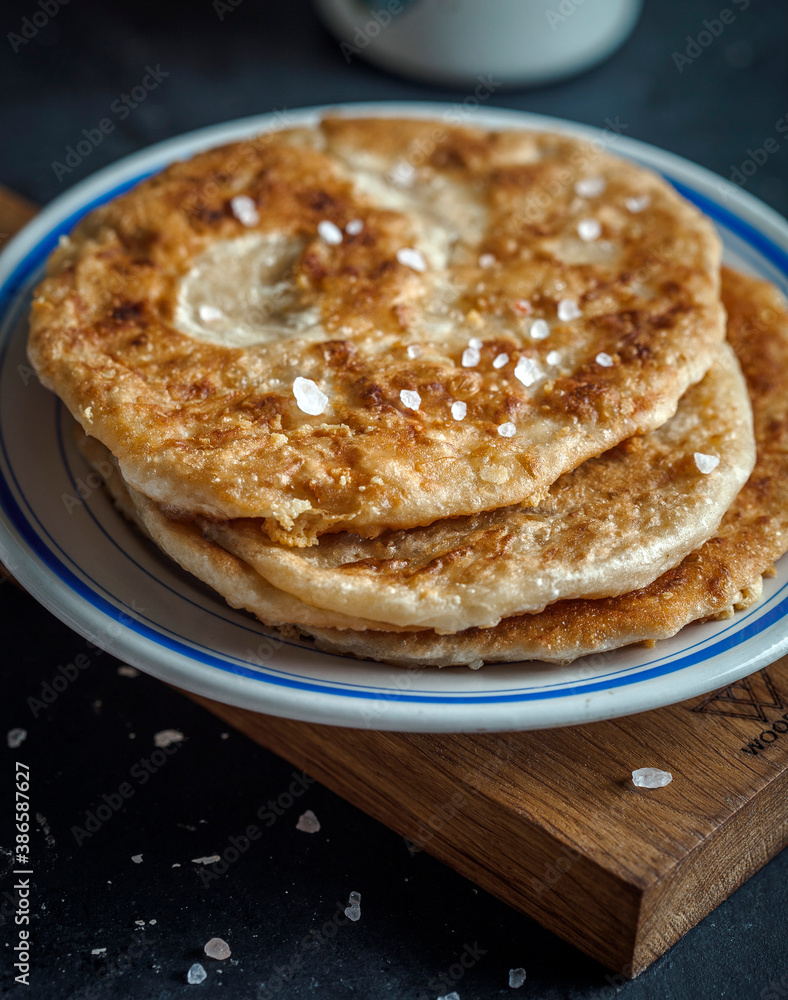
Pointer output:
x,y
308,822
516,978
137,859
217,948
651,777
353,909
309,397
209,859
16,738
167,737
196,975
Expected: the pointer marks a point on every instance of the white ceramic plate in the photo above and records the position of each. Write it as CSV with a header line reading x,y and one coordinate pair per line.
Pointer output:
x,y
80,559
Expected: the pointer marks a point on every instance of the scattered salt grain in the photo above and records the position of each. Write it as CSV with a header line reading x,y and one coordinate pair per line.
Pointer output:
x,y
414,259
209,313
636,205
486,261
167,737
568,310
354,227
414,351
308,822
218,949
500,360
539,329
516,978
140,923
459,409
329,232
137,859
589,230
16,737
245,210
403,173
527,371
651,777
98,951
353,909
309,397
706,463
196,975
553,358
209,859
590,187
604,359
127,671
476,664
471,356
410,398
454,995
152,922
507,430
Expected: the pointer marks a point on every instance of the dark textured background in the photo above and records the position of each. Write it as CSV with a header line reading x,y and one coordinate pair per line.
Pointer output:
x,y
417,916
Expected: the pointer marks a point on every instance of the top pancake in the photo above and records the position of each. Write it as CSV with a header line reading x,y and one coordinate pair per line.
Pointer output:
x,y
176,320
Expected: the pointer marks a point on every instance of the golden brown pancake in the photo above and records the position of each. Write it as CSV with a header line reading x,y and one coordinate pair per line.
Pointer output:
x,y
374,324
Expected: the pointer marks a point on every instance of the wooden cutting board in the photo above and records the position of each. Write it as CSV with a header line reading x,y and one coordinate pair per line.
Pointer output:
x,y
550,821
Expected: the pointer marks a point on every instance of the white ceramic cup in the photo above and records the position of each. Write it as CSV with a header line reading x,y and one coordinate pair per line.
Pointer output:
x,y
510,42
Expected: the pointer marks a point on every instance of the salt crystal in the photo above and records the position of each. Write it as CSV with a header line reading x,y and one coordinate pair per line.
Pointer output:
x,y
137,859
486,261
454,995
604,359
522,306
507,430
354,897
16,737
459,409
568,310
354,227
196,974
500,360
126,671
706,463
209,859
636,205
309,397
590,187
410,398
329,232
539,329
98,951
527,371
245,210
353,909
589,230
414,259
140,923
475,342
167,737
218,949
308,822
415,351
476,664
153,922
471,357
651,777
516,978
403,173
553,358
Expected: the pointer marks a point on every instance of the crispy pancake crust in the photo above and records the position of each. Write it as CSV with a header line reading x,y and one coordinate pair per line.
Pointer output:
x,y
611,526
119,327
724,574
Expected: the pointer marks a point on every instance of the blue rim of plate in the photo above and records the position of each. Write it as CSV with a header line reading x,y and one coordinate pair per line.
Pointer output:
x,y
12,292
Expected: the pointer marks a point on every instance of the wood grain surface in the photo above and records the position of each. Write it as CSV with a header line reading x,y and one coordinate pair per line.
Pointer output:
x,y
550,821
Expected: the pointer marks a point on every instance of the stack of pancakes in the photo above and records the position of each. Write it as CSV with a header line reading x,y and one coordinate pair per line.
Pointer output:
x,y
429,394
